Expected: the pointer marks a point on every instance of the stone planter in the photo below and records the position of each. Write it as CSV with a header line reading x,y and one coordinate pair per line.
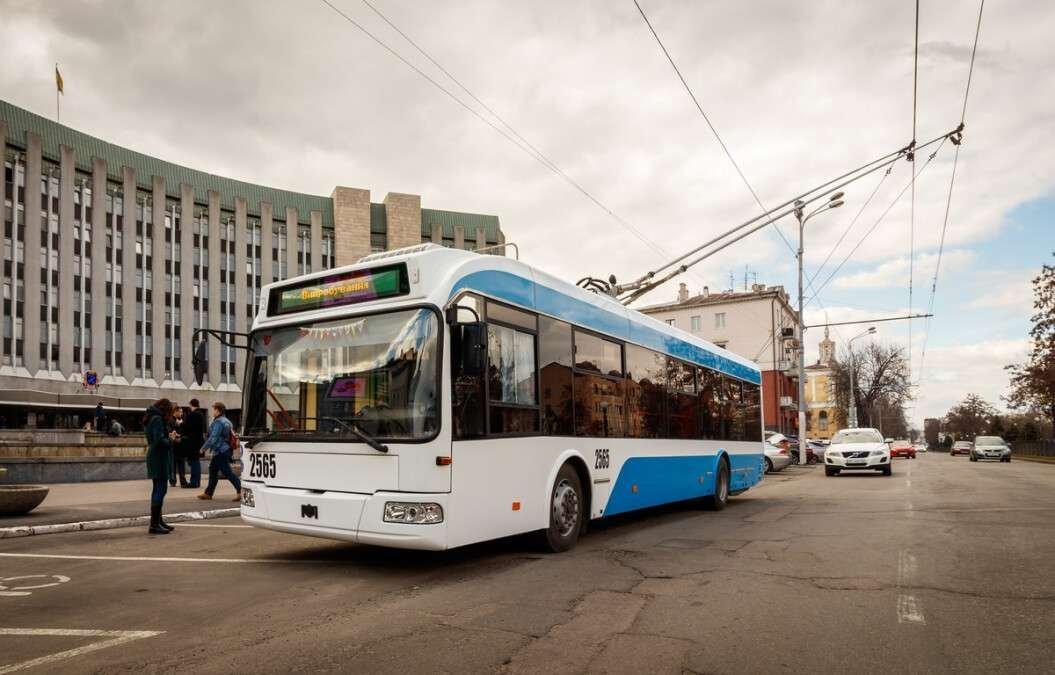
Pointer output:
x,y
16,500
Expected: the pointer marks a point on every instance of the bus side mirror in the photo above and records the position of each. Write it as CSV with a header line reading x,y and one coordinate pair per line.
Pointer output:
x,y
473,347
200,361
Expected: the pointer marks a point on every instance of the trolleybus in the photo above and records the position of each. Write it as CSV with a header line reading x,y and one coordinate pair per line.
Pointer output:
x,y
431,398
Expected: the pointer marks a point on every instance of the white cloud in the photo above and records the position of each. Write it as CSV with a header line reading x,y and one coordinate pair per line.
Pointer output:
x,y
1005,291
894,273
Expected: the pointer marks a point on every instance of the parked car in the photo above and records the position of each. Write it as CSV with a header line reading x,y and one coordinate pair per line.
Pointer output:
x,y
961,448
902,449
857,449
777,459
990,447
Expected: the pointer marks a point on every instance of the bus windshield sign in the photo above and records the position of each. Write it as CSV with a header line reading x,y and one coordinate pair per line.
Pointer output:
x,y
342,289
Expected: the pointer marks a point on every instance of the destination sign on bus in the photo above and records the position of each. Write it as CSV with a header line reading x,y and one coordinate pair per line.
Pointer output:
x,y
343,289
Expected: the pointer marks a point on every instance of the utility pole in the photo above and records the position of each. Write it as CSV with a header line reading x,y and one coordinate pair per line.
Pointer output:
x,y
834,202
852,416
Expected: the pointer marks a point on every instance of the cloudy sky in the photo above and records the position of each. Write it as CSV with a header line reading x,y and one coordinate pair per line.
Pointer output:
x,y
290,94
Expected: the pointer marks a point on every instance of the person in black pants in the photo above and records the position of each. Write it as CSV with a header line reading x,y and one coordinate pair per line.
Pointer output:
x,y
177,448
193,439
219,442
159,455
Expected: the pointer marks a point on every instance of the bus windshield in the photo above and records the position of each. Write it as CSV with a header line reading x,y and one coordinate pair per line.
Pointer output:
x,y
378,374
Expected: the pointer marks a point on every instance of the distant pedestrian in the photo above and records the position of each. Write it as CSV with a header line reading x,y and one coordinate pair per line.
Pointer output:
x,y
193,439
116,429
177,448
219,441
100,417
159,455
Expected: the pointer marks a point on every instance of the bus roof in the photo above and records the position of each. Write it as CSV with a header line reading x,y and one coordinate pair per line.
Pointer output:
x,y
438,274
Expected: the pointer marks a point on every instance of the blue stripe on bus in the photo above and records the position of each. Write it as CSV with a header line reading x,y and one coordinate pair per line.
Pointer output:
x,y
652,481
526,293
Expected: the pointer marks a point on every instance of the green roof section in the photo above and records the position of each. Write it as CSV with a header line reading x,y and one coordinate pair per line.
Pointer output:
x,y
448,219
52,134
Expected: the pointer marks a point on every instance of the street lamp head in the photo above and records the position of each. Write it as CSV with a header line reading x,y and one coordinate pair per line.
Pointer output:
x,y
871,330
838,195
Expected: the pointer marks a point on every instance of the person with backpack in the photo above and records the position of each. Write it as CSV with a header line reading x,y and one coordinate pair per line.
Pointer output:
x,y
159,458
223,442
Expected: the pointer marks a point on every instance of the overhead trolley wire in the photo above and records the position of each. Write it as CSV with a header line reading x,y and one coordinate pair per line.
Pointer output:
x,y
511,135
948,198
912,202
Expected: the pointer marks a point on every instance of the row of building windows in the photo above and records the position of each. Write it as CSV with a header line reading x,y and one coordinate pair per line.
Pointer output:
x,y
161,240
696,322
589,385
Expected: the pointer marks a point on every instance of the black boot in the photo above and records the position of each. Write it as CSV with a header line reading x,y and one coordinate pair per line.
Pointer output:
x,y
162,523
155,520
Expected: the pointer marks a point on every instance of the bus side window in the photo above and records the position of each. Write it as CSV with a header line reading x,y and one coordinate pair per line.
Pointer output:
x,y
752,412
710,426
467,380
555,359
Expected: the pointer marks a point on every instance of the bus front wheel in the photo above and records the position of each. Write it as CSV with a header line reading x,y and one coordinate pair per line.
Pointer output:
x,y
720,498
565,513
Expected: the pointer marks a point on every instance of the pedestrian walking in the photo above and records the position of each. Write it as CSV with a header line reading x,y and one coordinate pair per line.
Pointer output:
x,y
100,417
193,440
159,454
220,442
177,449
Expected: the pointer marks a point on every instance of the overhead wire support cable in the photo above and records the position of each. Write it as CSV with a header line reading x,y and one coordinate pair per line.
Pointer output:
x,y
912,199
523,145
948,198
881,217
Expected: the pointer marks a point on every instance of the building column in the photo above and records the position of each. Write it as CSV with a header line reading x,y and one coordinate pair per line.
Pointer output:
x,y
31,262
98,288
66,329
437,234
159,362
316,242
241,294
187,322
213,274
128,278
403,213
267,244
459,237
351,225
481,238
292,232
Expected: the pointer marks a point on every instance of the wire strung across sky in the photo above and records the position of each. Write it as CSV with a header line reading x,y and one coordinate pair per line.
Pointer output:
x,y
511,135
948,198
912,203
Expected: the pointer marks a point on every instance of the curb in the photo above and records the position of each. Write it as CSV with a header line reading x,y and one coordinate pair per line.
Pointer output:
x,y
1035,459
111,523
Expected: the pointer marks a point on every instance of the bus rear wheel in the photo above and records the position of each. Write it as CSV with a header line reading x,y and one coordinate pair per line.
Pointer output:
x,y
565,513
720,498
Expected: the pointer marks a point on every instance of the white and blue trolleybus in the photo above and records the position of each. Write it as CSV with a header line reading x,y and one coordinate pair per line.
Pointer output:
x,y
431,398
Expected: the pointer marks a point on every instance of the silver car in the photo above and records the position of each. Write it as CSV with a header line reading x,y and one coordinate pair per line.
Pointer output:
x,y
777,459
990,447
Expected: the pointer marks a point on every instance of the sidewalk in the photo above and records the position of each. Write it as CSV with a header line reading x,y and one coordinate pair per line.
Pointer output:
x,y
78,502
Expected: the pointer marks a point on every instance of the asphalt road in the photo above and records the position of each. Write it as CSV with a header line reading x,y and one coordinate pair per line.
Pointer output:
x,y
944,567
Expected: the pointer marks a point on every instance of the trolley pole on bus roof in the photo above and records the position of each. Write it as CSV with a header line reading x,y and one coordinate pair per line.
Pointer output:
x,y
834,202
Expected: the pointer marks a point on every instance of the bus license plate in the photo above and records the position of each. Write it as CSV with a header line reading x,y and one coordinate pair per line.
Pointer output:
x,y
247,498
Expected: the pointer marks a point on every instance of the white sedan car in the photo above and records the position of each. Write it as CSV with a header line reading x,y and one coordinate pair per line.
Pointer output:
x,y
857,450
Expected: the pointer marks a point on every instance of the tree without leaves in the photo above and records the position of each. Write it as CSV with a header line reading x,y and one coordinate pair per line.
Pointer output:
x,y
971,417
881,385
1033,382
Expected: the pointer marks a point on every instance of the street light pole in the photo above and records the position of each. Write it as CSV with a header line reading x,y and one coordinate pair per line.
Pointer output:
x,y
834,202
852,416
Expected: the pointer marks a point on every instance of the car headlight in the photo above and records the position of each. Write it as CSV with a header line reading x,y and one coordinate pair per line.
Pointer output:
x,y
413,513
879,452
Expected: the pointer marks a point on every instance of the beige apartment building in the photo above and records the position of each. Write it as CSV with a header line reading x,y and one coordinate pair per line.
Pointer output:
x,y
121,256
758,324
823,415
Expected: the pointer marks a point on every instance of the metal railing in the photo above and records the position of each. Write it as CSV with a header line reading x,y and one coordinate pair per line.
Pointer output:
x,y
1036,448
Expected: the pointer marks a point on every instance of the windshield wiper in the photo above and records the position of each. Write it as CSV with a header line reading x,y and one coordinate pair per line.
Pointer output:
x,y
354,430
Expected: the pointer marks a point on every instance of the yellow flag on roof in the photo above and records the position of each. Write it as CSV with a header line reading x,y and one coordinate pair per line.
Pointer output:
x,y
58,80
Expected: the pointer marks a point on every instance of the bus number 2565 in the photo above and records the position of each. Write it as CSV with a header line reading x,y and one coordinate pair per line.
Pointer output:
x,y
262,465
600,460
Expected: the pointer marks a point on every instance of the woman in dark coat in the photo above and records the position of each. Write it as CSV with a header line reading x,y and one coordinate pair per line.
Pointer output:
x,y
159,459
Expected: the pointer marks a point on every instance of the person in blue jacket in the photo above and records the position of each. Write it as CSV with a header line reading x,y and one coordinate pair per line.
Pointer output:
x,y
159,438
222,452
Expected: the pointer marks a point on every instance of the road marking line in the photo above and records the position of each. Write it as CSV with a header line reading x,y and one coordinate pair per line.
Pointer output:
x,y
906,568
128,558
8,591
117,637
112,523
909,610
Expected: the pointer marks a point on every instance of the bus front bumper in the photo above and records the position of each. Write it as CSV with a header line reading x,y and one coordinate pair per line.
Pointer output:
x,y
348,516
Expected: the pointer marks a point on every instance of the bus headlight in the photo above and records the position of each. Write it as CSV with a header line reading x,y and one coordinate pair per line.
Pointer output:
x,y
413,513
